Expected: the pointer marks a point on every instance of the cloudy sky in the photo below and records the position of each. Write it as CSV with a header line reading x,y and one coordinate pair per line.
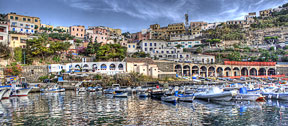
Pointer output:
x,y
133,15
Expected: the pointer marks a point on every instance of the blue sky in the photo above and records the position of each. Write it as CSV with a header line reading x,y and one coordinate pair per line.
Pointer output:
x,y
133,15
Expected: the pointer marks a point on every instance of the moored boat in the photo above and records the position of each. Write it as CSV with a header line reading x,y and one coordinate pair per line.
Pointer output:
x,y
143,94
186,97
120,95
243,95
171,99
216,94
19,91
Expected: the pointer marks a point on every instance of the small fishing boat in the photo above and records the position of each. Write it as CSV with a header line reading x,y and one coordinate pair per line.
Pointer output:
x,y
171,99
91,89
120,94
2,92
156,93
216,94
278,93
54,88
244,96
20,91
81,89
186,97
108,91
143,94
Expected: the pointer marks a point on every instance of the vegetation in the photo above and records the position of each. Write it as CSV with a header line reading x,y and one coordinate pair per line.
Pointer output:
x,y
178,46
226,32
13,69
18,54
140,55
4,51
41,48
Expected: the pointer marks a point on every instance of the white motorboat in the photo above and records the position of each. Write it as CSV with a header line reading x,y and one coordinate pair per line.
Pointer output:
x,y
120,95
186,97
172,98
2,92
243,95
7,94
277,93
216,94
19,91
91,89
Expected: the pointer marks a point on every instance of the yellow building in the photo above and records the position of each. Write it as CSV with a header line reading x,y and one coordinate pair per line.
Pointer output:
x,y
63,28
266,13
18,40
159,33
47,26
176,29
18,21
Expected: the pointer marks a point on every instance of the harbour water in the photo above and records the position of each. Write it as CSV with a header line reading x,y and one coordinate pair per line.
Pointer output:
x,y
69,108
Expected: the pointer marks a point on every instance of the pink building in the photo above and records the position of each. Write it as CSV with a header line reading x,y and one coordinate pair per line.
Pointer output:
x,y
101,34
77,31
137,37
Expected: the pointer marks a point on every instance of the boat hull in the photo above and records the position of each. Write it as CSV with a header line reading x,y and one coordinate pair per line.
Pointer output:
x,y
2,92
121,95
278,96
171,99
21,92
186,98
224,96
7,94
247,97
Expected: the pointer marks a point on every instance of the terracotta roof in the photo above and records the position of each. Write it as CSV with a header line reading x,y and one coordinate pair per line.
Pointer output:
x,y
140,60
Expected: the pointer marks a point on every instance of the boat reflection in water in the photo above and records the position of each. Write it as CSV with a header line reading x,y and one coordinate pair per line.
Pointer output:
x,y
70,108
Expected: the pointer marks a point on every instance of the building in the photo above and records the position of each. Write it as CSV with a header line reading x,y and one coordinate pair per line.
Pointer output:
x,y
184,43
109,68
18,40
197,27
176,29
4,32
47,26
144,66
149,45
266,13
23,24
63,28
99,33
132,47
139,36
77,31
159,33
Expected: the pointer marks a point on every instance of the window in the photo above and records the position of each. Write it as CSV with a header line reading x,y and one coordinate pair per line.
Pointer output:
x,y
21,24
133,46
157,52
16,18
145,44
21,29
27,30
1,37
73,29
167,51
150,44
162,52
155,44
24,19
77,34
14,38
81,29
145,49
81,35
36,20
129,46
11,17
13,29
77,29
189,42
29,19
151,49
31,26
32,71
32,30
22,40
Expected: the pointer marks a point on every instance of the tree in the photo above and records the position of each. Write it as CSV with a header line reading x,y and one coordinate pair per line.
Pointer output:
x,y
178,46
140,55
36,27
4,51
199,50
14,69
234,56
18,54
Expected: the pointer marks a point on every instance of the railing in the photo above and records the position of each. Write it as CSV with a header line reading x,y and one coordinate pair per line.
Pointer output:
x,y
261,76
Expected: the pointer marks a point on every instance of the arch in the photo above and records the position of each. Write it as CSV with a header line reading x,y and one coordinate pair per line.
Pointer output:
x,y
94,66
178,69
77,66
227,71
103,67
203,71
262,71
244,72
219,72
120,67
112,66
186,70
195,70
236,71
85,66
211,71
253,72
271,71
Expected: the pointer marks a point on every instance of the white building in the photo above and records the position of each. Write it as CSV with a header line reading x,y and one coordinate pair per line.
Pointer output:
x,y
149,45
109,68
4,32
132,47
184,43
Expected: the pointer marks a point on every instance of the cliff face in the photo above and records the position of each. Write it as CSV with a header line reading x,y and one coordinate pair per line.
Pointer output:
x,y
257,36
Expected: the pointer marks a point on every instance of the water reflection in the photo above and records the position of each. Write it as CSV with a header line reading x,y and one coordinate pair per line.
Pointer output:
x,y
72,108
